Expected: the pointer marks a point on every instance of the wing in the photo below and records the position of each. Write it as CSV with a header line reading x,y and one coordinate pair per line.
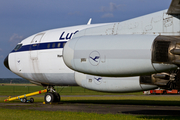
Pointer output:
x,y
174,8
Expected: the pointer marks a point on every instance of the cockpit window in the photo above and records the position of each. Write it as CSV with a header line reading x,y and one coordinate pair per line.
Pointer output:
x,y
18,47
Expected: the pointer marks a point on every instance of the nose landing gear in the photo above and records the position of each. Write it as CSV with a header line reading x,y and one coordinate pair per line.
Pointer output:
x,y
51,96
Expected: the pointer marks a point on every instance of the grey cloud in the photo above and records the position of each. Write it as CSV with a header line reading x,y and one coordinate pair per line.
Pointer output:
x,y
112,7
107,15
15,38
103,9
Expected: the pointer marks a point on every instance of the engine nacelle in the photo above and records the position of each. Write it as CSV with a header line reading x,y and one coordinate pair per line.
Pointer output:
x,y
109,84
121,55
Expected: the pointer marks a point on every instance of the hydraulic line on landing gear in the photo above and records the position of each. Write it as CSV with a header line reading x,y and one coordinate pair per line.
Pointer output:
x,y
23,97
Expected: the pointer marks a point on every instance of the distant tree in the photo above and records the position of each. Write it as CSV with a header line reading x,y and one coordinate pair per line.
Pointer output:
x,y
13,80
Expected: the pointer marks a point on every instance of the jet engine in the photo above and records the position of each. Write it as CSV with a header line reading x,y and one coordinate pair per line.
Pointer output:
x,y
109,84
122,55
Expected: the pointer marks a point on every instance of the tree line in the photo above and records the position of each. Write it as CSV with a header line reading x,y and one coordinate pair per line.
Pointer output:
x,y
13,80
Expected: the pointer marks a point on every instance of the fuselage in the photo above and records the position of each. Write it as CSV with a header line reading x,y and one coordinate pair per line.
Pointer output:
x,y
38,58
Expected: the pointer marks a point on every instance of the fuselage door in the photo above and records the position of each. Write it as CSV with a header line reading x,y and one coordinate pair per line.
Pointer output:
x,y
34,62
37,38
34,47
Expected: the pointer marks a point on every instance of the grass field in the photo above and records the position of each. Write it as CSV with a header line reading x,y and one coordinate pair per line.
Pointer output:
x,y
127,98
16,114
7,114
18,89
124,100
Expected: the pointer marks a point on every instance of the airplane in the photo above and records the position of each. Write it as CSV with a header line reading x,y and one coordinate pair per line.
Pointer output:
x,y
134,55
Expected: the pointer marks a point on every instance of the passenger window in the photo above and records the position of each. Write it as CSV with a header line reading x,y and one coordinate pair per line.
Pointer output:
x,y
59,44
53,45
64,44
48,45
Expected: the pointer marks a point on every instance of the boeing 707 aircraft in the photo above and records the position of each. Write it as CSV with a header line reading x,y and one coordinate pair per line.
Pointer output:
x,y
134,55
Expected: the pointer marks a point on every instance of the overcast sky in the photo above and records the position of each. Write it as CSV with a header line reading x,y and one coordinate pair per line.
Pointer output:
x,y
22,18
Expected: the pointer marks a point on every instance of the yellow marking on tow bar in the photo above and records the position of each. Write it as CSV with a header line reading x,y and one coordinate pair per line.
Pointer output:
x,y
25,95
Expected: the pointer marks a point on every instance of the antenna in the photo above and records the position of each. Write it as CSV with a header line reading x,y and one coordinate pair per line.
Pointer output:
x,y
89,22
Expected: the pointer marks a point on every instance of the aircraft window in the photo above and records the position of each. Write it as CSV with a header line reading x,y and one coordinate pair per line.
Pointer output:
x,y
18,47
64,44
59,44
48,45
53,45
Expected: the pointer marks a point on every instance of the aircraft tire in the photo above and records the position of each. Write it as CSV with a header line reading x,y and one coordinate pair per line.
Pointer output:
x,y
49,97
57,97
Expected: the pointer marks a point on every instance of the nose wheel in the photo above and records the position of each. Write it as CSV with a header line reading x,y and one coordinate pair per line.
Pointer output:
x,y
49,97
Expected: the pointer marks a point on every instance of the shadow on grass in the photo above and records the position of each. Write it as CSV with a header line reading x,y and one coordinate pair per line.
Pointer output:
x,y
127,102
160,117
154,113
151,112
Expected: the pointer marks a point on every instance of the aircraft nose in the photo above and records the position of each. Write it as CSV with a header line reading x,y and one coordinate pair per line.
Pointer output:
x,y
6,63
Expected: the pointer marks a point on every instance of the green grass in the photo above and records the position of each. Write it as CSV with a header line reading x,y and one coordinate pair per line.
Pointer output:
x,y
124,100
15,114
12,90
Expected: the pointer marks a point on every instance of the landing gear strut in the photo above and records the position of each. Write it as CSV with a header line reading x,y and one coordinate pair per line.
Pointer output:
x,y
51,96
